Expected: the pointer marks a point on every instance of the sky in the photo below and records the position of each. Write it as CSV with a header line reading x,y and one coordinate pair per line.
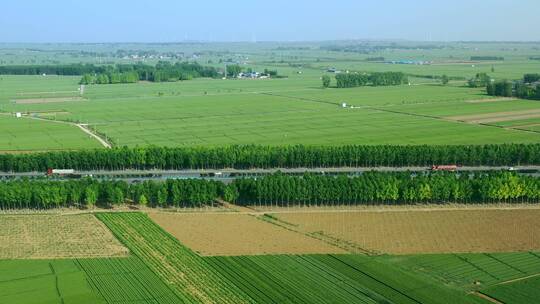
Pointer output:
x,y
268,20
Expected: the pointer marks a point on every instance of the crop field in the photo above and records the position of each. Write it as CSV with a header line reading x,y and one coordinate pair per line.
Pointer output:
x,y
56,236
81,281
420,232
27,135
45,282
471,271
226,234
522,291
503,277
276,278
130,248
126,280
292,110
282,279
273,116
161,269
187,274
273,278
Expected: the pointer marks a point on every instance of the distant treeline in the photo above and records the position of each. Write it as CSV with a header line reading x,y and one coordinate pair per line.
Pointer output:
x,y
526,88
254,156
370,48
67,69
436,76
374,59
534,58
161,72
309,189
387,188
486,58
479,81
350,80
530,78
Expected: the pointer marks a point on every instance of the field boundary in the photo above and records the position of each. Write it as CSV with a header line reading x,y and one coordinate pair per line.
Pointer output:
x,y
518,279
486,297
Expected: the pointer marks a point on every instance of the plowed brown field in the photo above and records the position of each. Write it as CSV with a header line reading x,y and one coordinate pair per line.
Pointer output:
x,y
230,234
413,232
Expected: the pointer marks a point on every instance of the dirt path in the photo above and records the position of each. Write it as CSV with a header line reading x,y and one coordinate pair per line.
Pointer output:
x,y
497,116
84,128
518,279
490,100
487,298
382,209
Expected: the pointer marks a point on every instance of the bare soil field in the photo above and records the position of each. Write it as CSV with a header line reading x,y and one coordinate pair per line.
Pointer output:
x,y
415,232
497,116
47,100
490,100
232,234
56,236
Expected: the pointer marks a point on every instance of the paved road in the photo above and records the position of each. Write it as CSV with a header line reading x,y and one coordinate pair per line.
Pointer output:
x,y
231,174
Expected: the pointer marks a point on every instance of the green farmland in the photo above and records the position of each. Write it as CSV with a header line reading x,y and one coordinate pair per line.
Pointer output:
x,y
160,269
115,226
41,281
291,110
33,135
186,116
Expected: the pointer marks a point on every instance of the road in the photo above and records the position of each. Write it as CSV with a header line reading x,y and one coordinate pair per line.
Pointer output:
x,y
229,174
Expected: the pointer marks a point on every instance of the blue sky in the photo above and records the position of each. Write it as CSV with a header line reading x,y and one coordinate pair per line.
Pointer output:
x,y
269,20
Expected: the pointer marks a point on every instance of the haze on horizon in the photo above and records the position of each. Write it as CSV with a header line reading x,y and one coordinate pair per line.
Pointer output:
x,y
278,20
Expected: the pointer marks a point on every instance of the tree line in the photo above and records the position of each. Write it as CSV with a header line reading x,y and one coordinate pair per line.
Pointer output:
x,y
277,189
350,80
527,88
486,58
481,80
65,69
163,71
387,188
47,194
258,156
